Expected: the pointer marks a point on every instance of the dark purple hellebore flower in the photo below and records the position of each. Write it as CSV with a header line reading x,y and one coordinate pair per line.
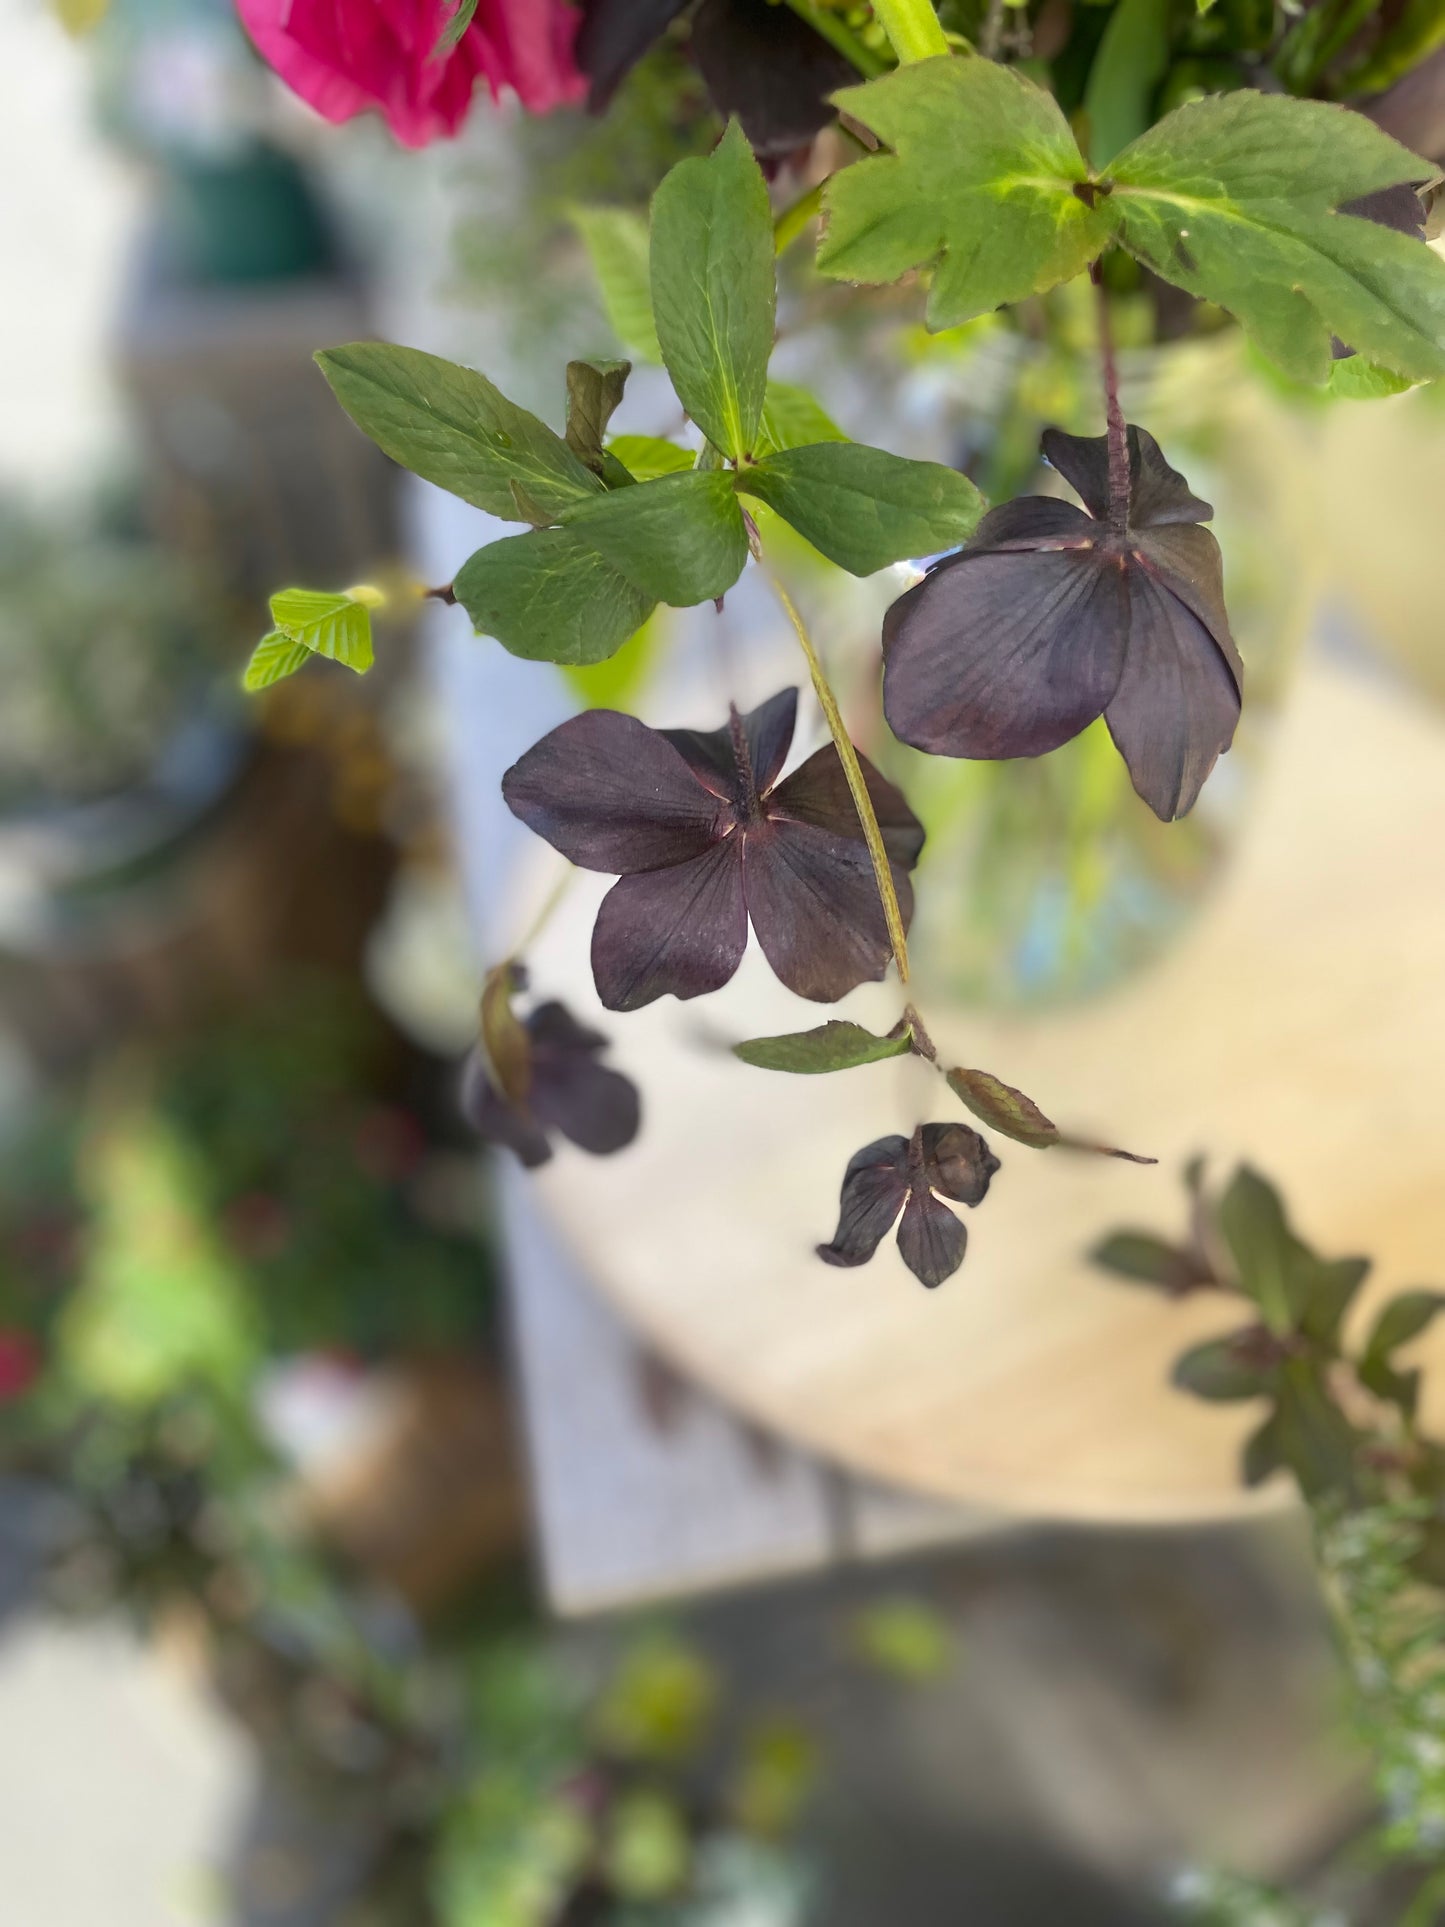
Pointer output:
x,y
567,1090
758,60
703,841
1051,617
902,1174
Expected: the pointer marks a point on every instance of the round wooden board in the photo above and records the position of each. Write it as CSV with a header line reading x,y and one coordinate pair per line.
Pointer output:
x,y
1299,1023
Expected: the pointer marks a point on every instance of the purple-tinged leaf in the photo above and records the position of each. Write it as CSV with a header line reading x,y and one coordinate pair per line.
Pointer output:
x,y
1003,1108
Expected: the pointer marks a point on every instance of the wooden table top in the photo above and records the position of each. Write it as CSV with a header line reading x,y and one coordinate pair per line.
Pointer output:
x,y
1299,1022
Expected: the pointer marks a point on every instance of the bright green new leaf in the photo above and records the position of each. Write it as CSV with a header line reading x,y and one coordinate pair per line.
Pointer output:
x,y
616,241
862,507
548,596
645,457
792,418
1132,59
273,659
714,289
335,625
834,1046
982,174
449,425
1352,378
679,540
1234,198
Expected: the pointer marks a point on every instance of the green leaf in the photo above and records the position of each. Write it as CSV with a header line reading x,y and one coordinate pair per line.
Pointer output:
x,y
617,242
1233,197
792,418
1133,58
548,596
1404,1318
275,657
645,457
1263,1452
1148,1260
1415,33
451,33
714,289
1352,378
834,1046
1251,1217
1327,1290
333,625
449,425
862,507
1316,1440
983,174
679,540
594,393
1379,1376
1003,1108
1216,1371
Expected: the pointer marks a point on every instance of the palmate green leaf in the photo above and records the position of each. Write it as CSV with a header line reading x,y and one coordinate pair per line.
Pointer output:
x,y
548,596
273,659
332,624
862,507
981,180
451,426
1234,198
645,457
714,289
680,539
792,418
834,1046
616,241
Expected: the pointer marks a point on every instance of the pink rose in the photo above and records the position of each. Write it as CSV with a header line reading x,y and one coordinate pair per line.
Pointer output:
x,y
19,1364
345,56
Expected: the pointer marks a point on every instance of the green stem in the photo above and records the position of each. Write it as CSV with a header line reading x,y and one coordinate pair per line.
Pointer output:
x,y
857,787
795,219
912,27
833,28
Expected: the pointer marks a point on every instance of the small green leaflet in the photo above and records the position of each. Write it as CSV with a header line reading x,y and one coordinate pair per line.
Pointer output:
x,y
452,32
337,625
792,418
714,291
1216,1371
645,457
679,539
1132,59
1014,1115
1352,378
548,596
981,180
862,507
594,394
834,1046
449,425
274,657
1402,1319
1233,197
616,241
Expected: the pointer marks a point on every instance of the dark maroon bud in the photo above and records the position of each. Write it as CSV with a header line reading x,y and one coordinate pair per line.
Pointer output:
x,y
567,1090
1052,617
900,1174
705,840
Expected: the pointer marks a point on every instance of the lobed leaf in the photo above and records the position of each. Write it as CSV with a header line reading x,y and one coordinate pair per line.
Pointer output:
x,y
548,596
714,289
981,184
680,539
616,241
862,507
834,1046
452,427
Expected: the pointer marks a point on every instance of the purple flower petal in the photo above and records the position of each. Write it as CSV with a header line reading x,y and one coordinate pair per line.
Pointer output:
x,y
957,1162
493,1118
1188,562
612,794
998,655
597,1108
817,792
1177,703
1033,522
680,931
552,1027
930,1238
767,732
814,905
765,64
1158,493
875,1186
614,36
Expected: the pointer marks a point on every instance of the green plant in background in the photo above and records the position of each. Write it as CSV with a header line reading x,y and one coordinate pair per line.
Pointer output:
x,y
1341,1418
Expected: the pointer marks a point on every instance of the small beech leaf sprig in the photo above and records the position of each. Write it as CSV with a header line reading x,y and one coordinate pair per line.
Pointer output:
x,y
704,840
1053,615
911,1176
314,622
540,1074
